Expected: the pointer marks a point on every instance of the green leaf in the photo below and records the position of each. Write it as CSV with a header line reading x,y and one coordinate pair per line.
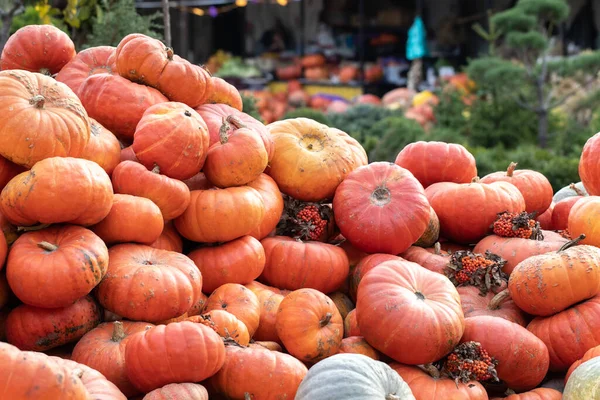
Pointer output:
x,y
554,11
514,20
529,41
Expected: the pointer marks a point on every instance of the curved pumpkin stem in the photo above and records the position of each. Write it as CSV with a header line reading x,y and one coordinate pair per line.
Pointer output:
x,y
156,169
431,370
326,320
498,299
223,136
38,101
32,228
577,191
47,246
475,180
118,332
437,248
392,397
511,169
235,121
572,243
170,53
247,396
204,67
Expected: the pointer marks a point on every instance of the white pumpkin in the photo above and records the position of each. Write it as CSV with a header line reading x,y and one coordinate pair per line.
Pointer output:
x,y
568,192
584,382
352,376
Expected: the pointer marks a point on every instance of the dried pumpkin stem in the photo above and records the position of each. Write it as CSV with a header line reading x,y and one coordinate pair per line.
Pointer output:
x,y
431,370
32,228
326,320
170,53
225,127
392,397
437,248
475,180
577,191
511,169
118,332
156,169
47,246
572,243
235,121
247,396
499,299
37,101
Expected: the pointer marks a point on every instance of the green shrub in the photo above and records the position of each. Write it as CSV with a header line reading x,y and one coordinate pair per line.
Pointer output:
x,y
387,137
249,106
359,119
308,113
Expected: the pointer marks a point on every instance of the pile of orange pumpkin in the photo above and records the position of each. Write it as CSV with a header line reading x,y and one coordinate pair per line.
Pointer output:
x,y
159,243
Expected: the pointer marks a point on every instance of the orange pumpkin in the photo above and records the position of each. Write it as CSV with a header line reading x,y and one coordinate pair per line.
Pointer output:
x,y
351,327
316,73
36,113
103,148
175,391
143,59
169,239
358,345
273,202
348,73
223,92
173,137
97,386
313,60
589,165
8,170
86,193
88,62
227,325
365,265
583,222
497,305
535,394
239,301
432,258
304,149
591,353
343,303
269,298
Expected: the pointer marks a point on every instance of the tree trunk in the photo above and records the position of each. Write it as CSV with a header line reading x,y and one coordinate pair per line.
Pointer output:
x,y
167,21
6,16
543,129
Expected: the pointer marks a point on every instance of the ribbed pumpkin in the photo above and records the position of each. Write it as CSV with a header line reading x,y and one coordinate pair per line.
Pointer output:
x,y
103,148
237,300
170,195
496,305
535,394
175,353
522,357
36,113
351,327
582,220
223,92
96,384
381,208
91,61
466,211
365,265
269,298
86,194
227,325
591,353
549,283
117,103
309,325
178,391
69,254
560,218
304,149
131,219
40,329
545,219
169,239
146,60
292,264
273,202
358,345
103,349
8,170
589,165
433,162
433,258
584,383
166,283
425,304
37,48
257,373
353,376
173,137
342,302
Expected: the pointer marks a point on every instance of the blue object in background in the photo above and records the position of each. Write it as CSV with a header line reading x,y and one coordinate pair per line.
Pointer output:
x,y
416,45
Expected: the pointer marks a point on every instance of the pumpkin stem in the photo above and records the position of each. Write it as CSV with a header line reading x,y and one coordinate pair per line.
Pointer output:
x,y
247,396
32,228
391,397
510,392
235,121
47,246
45,71
225,127
511,169
204,67
475,180
381,196
498,299
156,169
170,53
118,332
577,191
326,320
38,101
431,370
572,243
437,248
78,372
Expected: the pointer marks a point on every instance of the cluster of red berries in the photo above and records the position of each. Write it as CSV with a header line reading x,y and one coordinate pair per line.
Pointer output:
x,y
480,367
470,265
514,225
312,215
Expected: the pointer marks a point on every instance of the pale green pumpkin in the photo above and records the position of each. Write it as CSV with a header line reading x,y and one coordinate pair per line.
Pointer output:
x,y
584,382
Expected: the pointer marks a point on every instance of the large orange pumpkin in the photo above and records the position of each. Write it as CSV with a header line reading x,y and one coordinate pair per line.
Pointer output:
x,y
583,220
3,250
305,149
227,325
309,325
363,266
37,48
589,165
433,258
96,384
237,300
117,103
401,295
273,202
535,394
358,345
91,61
8,170
169,239
381,208
174,353
103,148
69,254
58,189
292,264
173,137
166,283
40,118
170,195
497,305
223,92
269,298
143,59
176,391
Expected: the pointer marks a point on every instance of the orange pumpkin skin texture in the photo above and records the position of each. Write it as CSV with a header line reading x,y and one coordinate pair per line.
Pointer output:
x,y
103,148
170,195
425,304
178,391
546,218
224,93
198,306
261,373
583,220
467,210
269,299
227,325
309,325
198,182
37,48
69,254
292,264
433,162
169,239
365,265
351,325
91,61
239,261
221,215
358,345
3,250
473,305
40,329
40,118
86,193
237,300
549,283
273,202
103,349
117,103
562,209
535,394
426,387
515,250
433,259
171,283
535,187
8,170
96,384
148,61
31,375
589,165
173,137
304,149
131,219
175,353
570,333
591,353
343,303
381,208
